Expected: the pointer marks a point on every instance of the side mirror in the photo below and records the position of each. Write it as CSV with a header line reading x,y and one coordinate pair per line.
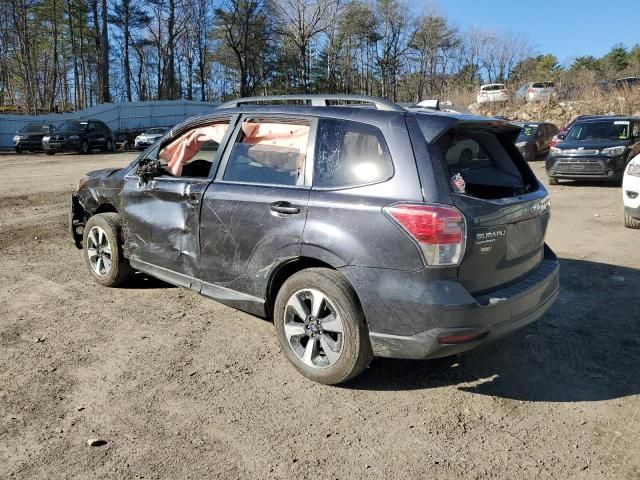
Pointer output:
x,y
148,169
562,136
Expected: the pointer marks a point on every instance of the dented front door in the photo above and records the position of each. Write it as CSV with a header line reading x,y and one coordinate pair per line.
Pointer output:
x,y
161,221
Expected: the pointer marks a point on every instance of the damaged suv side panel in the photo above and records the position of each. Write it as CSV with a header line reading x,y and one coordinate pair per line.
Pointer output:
x,y
360,232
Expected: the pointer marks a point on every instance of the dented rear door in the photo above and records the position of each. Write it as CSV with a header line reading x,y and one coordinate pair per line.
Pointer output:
x,y
254,213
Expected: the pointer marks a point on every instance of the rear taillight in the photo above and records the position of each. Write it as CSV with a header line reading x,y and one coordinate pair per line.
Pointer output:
x,y
440,230
531,90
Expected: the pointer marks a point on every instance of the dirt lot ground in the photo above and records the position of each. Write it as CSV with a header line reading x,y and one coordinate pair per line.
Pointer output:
x,y
182,387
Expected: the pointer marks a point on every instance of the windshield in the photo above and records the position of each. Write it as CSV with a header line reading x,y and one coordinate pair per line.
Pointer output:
x,y
528,130
35,129
601,130
155,131
72,125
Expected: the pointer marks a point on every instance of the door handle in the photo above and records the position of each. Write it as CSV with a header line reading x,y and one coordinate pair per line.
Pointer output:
x,y
284,208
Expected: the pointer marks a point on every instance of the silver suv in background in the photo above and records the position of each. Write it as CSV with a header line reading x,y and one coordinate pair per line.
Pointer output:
x,y
492,92
536,91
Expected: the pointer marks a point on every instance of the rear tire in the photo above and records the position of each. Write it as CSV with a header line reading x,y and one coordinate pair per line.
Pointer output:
x,y
102,247
336,325
631,222
84,147
49,152
109,146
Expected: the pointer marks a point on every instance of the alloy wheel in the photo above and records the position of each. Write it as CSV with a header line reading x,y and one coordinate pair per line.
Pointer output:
x,y
313,328
99,251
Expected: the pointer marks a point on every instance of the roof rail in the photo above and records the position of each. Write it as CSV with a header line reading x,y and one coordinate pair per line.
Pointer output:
x,y
317,101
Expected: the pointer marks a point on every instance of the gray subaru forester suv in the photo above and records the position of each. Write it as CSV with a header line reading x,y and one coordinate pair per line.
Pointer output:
x,y
359,228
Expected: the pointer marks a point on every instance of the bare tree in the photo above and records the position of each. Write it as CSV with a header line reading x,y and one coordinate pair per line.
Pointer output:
x,y
300,21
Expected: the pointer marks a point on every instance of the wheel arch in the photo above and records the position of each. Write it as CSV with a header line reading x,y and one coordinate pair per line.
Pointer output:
x,y
105,207
287,269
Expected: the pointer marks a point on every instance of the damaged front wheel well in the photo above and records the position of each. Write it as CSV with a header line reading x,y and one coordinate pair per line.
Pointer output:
x,y
105,208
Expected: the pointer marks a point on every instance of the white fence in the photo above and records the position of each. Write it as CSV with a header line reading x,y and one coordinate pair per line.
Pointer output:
x,y
119,116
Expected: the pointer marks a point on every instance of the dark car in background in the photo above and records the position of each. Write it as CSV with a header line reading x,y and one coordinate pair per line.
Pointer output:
x,y
627,82
29,138
595,148
80,136
535,139
348,227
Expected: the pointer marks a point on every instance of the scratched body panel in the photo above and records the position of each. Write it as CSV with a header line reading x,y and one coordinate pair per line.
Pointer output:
x,y
242,241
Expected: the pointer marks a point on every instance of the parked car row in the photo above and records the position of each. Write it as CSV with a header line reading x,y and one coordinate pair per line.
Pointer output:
x,y
596,147
590,147
80,136
528,92
545,90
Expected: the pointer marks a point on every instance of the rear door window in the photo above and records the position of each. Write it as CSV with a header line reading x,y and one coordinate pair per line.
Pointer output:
x,y
269,152
350,154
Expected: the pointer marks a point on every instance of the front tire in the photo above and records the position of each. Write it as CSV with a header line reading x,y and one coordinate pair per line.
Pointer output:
x,y
102,244
320,326
109,146
631,222
553,181
84,147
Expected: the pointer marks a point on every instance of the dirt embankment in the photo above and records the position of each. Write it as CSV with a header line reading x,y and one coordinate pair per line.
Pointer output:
x,y
561,113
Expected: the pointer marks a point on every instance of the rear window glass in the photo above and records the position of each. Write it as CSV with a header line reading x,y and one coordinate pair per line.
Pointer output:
x,y
528,130
350,154
493,87
543,85
485,162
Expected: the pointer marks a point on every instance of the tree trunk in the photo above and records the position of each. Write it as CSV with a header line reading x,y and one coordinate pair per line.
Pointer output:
x,y
126,61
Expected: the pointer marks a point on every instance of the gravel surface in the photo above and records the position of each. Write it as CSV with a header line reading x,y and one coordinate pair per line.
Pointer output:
x,y
152,381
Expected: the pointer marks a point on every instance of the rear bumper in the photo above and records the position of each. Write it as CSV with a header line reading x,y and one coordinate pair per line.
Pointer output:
x,y
465,321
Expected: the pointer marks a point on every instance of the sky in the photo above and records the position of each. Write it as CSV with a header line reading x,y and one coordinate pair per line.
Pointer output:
x,y
567,29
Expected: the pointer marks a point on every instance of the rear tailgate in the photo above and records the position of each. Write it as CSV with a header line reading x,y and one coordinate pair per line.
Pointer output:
x,y
506,208
505,239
